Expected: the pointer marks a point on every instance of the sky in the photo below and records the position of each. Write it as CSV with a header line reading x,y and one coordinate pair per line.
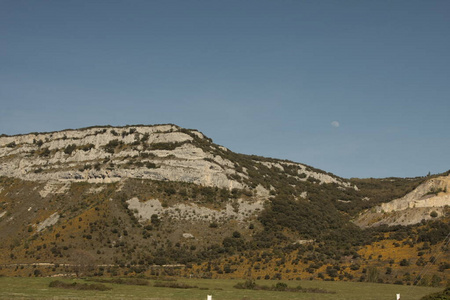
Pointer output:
x,y
356,88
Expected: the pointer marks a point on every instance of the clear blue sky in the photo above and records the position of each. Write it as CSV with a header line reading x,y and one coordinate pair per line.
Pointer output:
x,y
356,88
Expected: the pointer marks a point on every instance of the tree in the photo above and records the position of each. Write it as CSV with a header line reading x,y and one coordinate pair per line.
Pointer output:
x,y
155,220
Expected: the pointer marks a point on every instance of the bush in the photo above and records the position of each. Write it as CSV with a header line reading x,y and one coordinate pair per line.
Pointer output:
x,y
44,152
87,147
279,287
404,262
78,286
247,285
127,281
111,146
151,165
69,149
175,285
444,295
213,225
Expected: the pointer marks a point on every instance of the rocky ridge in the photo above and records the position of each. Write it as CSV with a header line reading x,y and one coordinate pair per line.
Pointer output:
x,y
110,154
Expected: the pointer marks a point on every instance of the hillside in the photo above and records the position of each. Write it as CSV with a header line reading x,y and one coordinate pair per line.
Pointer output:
x,y
425,202
136,197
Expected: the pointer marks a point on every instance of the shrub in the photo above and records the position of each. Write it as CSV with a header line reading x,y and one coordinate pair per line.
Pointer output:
x,y
280,286
248,285
151,165
44,152
111,146
87,147
438,296
69,149
404,262
213,225
444,266
127,281
175,285
79,286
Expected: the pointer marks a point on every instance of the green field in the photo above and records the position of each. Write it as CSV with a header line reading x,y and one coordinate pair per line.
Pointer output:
x,y
37,288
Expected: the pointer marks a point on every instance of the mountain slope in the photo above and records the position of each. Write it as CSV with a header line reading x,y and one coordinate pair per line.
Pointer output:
x,y
147,177
143,196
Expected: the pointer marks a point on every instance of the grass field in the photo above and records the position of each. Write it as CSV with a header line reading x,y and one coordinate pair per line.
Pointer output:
x,y
38,288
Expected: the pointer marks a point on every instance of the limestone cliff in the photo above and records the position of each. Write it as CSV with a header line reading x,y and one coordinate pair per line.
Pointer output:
x,y
427,201
110,154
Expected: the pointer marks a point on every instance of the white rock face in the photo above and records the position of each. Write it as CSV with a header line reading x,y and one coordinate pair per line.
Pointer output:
x,y
52,220
188,235
421,196
53,187
42,157
240,210
321,177
432,195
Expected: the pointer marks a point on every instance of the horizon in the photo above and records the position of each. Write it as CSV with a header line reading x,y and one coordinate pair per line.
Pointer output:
x,y
359,88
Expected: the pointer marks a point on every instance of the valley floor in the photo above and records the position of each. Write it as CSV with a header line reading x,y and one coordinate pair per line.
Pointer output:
x,y
220,289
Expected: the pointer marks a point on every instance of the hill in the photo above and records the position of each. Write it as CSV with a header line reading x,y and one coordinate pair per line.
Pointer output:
x,y
136,197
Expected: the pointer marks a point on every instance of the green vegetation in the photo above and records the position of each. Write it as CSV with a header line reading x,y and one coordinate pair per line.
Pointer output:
x,y
444,295
36,288
69,149
279,287
78,286
381,190
112,145
174,285
128,281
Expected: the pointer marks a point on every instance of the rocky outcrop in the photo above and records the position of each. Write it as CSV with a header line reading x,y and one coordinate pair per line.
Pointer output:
x,y
427,201
106,154
52,220
239,210
111,154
